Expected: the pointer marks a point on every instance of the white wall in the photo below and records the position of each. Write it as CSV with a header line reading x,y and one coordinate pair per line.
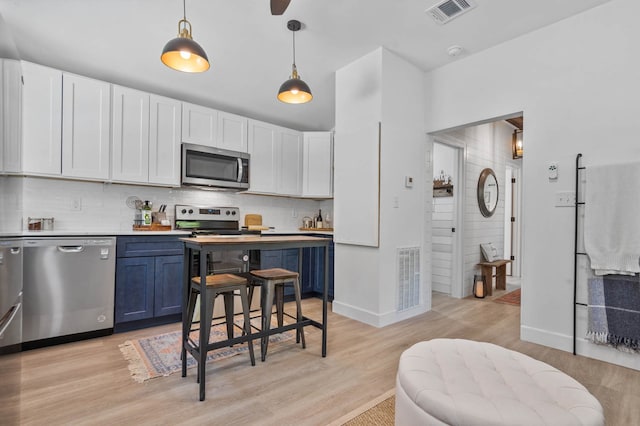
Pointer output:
x,y
574,81
103,206
374,88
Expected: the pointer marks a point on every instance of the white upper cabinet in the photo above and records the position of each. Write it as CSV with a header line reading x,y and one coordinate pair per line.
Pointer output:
x,y
276,159
199,124
263,138
130,135
290,163
10,117
317,165
232,132
209,127
164,141
41,120
145,138
86,105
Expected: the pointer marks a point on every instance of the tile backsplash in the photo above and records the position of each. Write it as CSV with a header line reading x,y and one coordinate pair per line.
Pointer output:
x,y
79,205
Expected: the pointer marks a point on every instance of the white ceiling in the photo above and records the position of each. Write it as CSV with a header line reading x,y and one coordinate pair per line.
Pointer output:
x,y
120,41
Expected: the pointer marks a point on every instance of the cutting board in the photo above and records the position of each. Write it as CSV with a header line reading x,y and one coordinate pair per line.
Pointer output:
x,y
253,220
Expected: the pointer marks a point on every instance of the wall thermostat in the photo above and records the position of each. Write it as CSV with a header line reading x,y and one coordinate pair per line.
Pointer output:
x,y
553,171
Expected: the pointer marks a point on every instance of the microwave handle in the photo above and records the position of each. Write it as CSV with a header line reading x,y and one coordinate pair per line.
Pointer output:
x,y
240,170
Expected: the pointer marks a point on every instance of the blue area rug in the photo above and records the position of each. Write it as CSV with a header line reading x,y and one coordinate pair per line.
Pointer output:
x,y
158,356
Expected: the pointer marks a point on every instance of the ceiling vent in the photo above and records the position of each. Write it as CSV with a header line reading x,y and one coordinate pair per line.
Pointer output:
x,y
446,10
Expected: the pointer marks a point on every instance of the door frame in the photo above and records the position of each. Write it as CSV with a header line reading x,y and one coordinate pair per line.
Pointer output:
x,y
457,273
516,229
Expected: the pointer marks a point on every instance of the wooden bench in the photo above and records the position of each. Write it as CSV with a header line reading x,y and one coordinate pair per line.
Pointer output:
x,y
501,274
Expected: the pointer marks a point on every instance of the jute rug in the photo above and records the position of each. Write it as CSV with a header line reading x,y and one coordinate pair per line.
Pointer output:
x,y
379,411
159,355
512,298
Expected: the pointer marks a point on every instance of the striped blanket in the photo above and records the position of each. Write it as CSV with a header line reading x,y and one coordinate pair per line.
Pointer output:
x,y
614,311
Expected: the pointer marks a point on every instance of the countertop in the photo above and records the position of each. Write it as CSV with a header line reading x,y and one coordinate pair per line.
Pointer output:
x,y
103,232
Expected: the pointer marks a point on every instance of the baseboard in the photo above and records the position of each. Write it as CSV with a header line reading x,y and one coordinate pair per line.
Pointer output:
x,y
373,318
584,347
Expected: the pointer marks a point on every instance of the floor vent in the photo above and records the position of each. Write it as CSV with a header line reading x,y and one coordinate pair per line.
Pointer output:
x,y
408,277
446,10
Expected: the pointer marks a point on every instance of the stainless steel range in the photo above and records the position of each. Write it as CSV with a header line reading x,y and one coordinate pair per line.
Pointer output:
x,y
203,221
206,220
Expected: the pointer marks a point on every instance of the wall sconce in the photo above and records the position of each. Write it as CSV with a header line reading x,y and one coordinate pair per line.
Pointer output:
x,y
516,144
479,290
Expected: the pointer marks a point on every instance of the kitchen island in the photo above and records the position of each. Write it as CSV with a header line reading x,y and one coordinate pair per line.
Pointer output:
x,y
200,247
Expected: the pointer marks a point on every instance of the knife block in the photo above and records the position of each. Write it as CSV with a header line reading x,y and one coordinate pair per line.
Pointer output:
x,y
158,217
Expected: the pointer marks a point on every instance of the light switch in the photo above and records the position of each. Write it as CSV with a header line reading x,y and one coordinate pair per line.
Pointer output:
x,y
565,199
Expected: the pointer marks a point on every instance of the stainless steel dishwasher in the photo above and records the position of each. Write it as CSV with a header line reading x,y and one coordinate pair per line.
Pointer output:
x,y
68,287
10,295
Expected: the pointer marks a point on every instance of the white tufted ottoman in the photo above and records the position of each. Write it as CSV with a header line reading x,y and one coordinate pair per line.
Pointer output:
x,y
462,382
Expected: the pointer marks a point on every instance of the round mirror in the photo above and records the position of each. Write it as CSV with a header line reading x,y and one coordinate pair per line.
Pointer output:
x,y
487,192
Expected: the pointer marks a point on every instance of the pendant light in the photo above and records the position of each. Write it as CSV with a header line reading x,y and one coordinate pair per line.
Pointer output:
x,y
182,53
294,90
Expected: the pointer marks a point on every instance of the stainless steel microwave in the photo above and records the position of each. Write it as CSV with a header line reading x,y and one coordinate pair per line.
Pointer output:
x,y
206,166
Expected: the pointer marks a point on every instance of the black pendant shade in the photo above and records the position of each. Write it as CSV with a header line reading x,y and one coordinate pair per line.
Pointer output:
x,y
294,90
182,53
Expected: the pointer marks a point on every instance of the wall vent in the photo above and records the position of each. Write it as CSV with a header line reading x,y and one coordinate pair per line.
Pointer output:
x,y
408,277
446,10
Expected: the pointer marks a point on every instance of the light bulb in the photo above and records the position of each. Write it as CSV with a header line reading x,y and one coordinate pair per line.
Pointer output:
x,y
294,91
185,54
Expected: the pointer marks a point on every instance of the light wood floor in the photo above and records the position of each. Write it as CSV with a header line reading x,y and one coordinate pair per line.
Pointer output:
x,y
88,382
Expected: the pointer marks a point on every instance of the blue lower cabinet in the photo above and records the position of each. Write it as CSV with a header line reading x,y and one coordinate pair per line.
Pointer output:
x,y
286,259
318,269
312,277
271,259
168,290
135,278
148,281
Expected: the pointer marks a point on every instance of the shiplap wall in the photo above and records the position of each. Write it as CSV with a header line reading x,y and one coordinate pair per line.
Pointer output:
x,y
442,243
488,146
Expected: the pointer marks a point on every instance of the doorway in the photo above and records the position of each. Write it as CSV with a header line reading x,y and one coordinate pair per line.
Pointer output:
x,y
446,215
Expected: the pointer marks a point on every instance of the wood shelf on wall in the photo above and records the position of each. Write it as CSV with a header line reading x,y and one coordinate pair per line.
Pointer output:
x,y
442,189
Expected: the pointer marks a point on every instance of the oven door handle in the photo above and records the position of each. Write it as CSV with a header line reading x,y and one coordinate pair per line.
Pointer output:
x,y
240,170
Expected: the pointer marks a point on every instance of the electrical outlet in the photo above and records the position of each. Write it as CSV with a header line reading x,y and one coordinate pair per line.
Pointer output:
x,y
76,204
565,199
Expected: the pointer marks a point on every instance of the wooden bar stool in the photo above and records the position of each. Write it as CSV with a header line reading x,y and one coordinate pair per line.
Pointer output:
x,y
218,284
273,282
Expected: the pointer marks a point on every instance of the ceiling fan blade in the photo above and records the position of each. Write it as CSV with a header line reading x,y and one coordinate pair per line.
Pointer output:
x,y
279,6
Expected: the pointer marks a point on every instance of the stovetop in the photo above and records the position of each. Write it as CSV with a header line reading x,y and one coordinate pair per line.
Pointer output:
x,y
210,220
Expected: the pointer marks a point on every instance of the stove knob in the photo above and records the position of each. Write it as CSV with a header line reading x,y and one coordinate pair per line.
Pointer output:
x,y
183,211
228,212
233,213
190,211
